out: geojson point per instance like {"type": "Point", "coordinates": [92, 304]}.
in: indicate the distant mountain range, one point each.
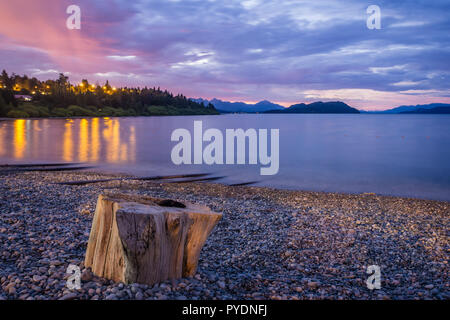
{"type": "Point", "coordinates": [420, 108]}
{"type": "Point", "coordinates": [318, 107]}
{"type": "Point", "coordinates": [438, 110]}
{"type": "Point", "coordinates": [240, 107]}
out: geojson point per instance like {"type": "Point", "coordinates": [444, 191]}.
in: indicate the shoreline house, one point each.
{"type": "Point", "coordinates": [23, 97]}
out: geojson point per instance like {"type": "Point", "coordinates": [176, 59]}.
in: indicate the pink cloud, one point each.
{"type": "Point", "coordinates": [42, 25]}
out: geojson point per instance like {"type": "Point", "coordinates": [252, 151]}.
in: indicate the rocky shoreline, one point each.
{"type": "Point", "coordinates": [270, 244]}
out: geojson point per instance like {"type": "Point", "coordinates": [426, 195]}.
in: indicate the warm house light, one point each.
{"type": "Point", "coordinates": [81, 85]}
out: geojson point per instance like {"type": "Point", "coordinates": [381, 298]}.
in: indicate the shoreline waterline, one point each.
{"type": "Point", "coordinates": [118, 174]}
{"type": "Point", "coordinates": [330, 153]}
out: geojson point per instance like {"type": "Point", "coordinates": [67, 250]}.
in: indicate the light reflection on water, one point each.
{"type": "Point", "coordinates": [67, 142]}
{"type": "Point", "coordinates": [405, 155]}
{"type": "Point", "coordinates": [20, 142]}
{"type": "Point", "coordinates": [78, 140]}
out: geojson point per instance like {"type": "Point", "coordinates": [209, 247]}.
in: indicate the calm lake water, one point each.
{"type": "Point", "coordinates": [406, 155]}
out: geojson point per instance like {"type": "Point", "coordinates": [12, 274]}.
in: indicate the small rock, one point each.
{"type": "Point", "coordinates": [139, 296]}
{"type": "Point", "coordinates": [85, 212]}
{"type": "Point", "coordinates": [37, 278]}
{"type": "Point", "coordinates": [69, 296]}
{"type": "Point", "coordinates": [87, 275]}
{"type": "Point", "coordinates": [313, 284]}
{"type": "Point", "coordinates": [36, 288]}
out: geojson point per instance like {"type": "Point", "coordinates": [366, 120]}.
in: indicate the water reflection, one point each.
{"type": "Point", "coordinates": [132, 144]}
{"type": "Point", "coordinates": [67, 142]}
{"type": "Point", "coordinates": [2, 137]}
{"type": "Point", "coordinates": [83, 140]}
{"type": "Point", "coordinates": [83, 143]}
{"type": "Point", "coordinates": [20, 141]}
{"type": "Point", "coordinates": [95, 140]}
{"type": "Point", "coordinates": [384, 154]}
{"type": "Point", "coordinates": [36, 131]}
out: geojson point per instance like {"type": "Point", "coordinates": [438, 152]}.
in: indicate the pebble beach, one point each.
{"type": "Point", "coordinates": [270, 244]}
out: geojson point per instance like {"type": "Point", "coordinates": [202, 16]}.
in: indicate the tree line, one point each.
{"type": "Point", "coordinates": [22, 96]}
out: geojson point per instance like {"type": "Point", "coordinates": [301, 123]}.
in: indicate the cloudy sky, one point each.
{"type": "Point", "coordinates": [286, 51]}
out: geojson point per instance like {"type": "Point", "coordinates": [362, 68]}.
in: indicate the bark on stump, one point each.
{"type": "Point", "coordinates": [139, 239]}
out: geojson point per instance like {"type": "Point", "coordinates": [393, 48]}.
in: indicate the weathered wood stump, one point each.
{"type": "Point", "coordinates": [138, 239]}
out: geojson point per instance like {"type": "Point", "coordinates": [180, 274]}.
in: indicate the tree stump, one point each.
{"type": "Point", "coordinates": [139, 239]}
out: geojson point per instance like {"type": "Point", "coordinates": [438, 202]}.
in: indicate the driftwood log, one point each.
{"type": "Point", "coordinates": [138, 239]}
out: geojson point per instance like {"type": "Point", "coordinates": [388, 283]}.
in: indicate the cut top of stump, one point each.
{"type": "Point", "coordinates": [147, 240]}
{"type": "Point", "coordinates": [146, 204]}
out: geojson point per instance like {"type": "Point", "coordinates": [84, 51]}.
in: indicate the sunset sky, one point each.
{"type": "Point", "coordinates": [283, 51]}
